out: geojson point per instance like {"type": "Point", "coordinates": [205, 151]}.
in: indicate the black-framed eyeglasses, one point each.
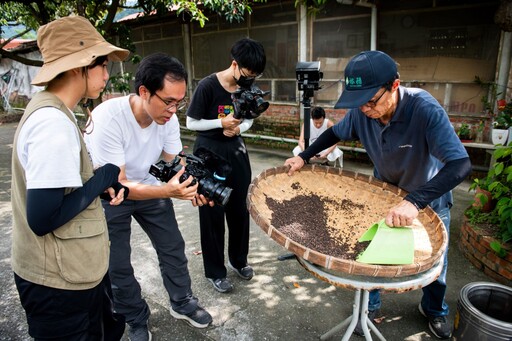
{"type": "Point", "coordinates": [248, 77]}
{"type": "Point", "coordinates": [178, 106]}
{"type": "Point", "coordinates": [373, 103]}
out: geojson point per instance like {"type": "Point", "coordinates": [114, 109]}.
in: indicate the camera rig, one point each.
{"type": "Point", "coordinates": [308, 80]}
{"type": "Point", "coordinates": [249, 102]}
{"type": "Point", "coordinates": [207, 168]}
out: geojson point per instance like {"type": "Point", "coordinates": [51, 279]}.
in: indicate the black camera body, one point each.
{"type": "Point", "coordinates": [203, 167]}
{"type": "Point", "coordinates": [308, 76]}
{"type": "Point", "coordinates": [249, 103]}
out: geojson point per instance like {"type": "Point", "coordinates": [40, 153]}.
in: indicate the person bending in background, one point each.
{"type": "Point", "coordinates": [134, 132]}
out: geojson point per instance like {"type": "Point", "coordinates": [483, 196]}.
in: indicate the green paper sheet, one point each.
{"type": "Point", "coordinates": [389, 245]}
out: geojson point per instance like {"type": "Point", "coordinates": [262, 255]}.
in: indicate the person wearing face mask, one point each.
{"type": "Point", "coordinates": [211, 114]}
{"type": "Point", "coordinates": [411, 142]}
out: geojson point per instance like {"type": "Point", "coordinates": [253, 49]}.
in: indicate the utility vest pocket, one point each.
{"type": "Point", "coordinates": [82, 246]}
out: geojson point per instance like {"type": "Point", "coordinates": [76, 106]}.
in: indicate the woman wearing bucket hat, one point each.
{"type": "Point", "coordinates": [60, 245]}
{"type": "Point", "coordinates": [410, 140]}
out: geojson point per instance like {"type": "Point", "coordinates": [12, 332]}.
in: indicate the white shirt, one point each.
{"type": "Point", "coordinates": [315, 132]}
{"type": "Point", "coordinates": [117, 138]}
{"type": "Point", "coordinates": [49, 150]}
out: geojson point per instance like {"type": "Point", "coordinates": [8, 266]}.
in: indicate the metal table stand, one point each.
{"type": "Point", "coordinates": [362, 286]}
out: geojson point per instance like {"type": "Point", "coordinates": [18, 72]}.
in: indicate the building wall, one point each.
{"type": "Point", "coordinates": [440, 47]}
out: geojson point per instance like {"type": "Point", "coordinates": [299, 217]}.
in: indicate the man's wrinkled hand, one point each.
{"type": "Point", "coordinates": [295, 163]}
{"type": "Point", "coordinates": [402, 214]}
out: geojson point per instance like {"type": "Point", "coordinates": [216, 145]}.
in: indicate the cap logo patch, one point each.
{"type": "Point", "coordinates": [355, 82]}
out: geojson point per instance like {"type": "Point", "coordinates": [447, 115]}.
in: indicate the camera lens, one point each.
{"type": "Point", "coordinates": [215, 191]}
{"type": "Point", "coordinates": [260, 105]}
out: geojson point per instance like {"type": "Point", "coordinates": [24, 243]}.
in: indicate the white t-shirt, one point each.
{"type": "Point", "coordinates": [49, 150]}
{"type": "Point", "coordinates": [117, 138]}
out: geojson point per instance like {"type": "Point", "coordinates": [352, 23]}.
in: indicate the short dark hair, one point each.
{"type": "Point", "coordinates": [156, 67]}
{"type": "Point", "coordinates": [317, 112]}
{"type": "Point", "coordinates": [98, 61]}
{"type": "Point", "coordinates": [250, 54]}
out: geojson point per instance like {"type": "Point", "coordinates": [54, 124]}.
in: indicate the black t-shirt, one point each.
{"type": "Point", "coordinates": [211, 101]}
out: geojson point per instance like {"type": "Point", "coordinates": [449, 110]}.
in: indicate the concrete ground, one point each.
{"type": "Point", "coordinates": [282, 302]}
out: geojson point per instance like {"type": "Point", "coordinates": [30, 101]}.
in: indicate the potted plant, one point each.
{"type": "Point", "coordinates": [500, 121]}
{"type": "Point", "coordinates": [464, 132]}
{"type": "Point", "coordinates": [498, 182]}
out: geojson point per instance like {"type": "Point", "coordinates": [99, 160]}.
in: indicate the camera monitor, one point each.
{"type": "Point", "coordinates": [308, 75]}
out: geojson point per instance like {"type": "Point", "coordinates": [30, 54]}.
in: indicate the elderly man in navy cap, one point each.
{"type": "Point", "coordinates": [408, 136]}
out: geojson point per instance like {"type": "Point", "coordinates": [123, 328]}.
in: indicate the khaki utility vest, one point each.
{"type": "Point", "coordinates": [73, 256]}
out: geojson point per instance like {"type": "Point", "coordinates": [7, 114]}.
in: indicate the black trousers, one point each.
{"type": "Point", "coordinates": [71, 315]}
{"type": "Point", "coordinates": [156, 217]}
{"type": "Point", "coordinates": [235, 211]}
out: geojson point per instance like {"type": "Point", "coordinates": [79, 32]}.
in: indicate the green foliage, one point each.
{"type": "Point", "coordinates": [501, 118]}
{"type": "Point", "coordinates": [498, 182]}
{"type": "Point", "coordinates": [498, 248]}
{"type": "Point", "coordinates": [120, 82]}
{"type": "Point", "coordinates": [480, 127]}
{"type": "Point", "coordinates": [231, 10]}
{"type": "Point", "coordinates": [312, 6]}
{"type": "Point", "coordinates": [464, 132]}
{"type": "Point", "coordinates": [102, 15]}
{"type": "Point", "coordinates": [489, 99]}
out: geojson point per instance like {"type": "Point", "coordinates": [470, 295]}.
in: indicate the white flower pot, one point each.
{"type": "Point", "coordinates": [499, 136]}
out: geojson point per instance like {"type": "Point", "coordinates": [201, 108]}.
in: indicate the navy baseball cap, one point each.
{"type": "Point", "coordinates": [365, 74]}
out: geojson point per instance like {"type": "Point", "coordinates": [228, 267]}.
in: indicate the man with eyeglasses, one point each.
{"type": "Point", "coordinates": [133, 132]}
{"type": "Point", "coordinates": [412, 144]}
{"type": "Point", "coordinates": [211, 115]}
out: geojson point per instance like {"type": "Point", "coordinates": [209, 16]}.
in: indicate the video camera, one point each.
{"type": "Point", "coordinates": [207, 168]}
{"type": "Point", "coordinates": [249, 103]}
{"type": "Point", "coordinates": [308, 76]}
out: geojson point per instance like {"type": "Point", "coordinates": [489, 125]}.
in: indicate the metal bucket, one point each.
{"type": "Point", "coordinates": [484, 312]}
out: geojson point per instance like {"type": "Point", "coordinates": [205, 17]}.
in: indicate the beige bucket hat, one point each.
{"type": "Point", "coordinates": [71, 42]}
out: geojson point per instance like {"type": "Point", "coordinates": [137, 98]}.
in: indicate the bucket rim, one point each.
{"type": "Point", "coordinates": [468, 288]}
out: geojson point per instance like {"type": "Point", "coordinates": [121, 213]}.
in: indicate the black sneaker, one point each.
{"type": "Point", "coordinates": [438, 325]}
{"type": "Point", "coordinates": [221, 284]}
{"type": "Point", "coordinates": [246, 272]}
{"type": "Point", "coordinates": [139, 333]}
{"type": "Point", "coordinates": [372, 314]}
{"type": "Point", "coordinates": [199, 318]}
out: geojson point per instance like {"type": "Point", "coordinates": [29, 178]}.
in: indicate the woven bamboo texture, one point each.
{"type": "Point", "coordinates": [337, 184]}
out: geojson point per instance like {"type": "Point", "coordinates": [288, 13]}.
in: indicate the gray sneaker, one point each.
{"type": "Point", "coordinates": [199, 318]}
{"type": "Point", "coordinates": [438, 325]}
{"type": "Point", "coordinates": [221, 284]}
{"type": "Point", "coordinates": [245, 273]}
{"type": "Point", "coordinates": [139, 333]}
